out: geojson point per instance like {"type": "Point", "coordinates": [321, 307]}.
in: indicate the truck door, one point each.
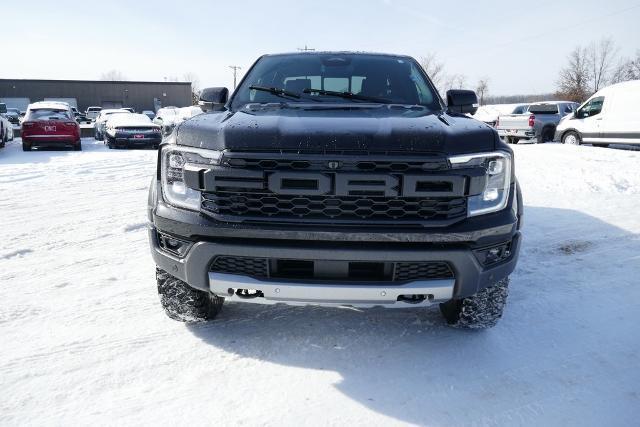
{"type": "Point", "coordinates": [590, 119]}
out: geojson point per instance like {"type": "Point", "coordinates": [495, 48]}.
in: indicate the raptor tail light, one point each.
{"type": "Point", "coordinates": [532, 120]}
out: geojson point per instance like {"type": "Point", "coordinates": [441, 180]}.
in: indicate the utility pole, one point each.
{"type": "Point", "coordinates": [235, 69]}
{"type": "Point", "coordinates": [306, 49]}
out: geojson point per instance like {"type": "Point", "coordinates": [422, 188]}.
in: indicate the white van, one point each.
{"type": "Point", "coordinates": [610, 116]}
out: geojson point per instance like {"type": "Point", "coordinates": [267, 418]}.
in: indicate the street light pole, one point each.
{"type": "Point", "coordinates": [235, 69]}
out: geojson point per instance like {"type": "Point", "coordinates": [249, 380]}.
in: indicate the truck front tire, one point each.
{"type": "Point", "coordinates": [479, 311]}
{"type": "Point", "coordinates": [571, 138]}
{"type": "Point", "coordinates": [183, 303]}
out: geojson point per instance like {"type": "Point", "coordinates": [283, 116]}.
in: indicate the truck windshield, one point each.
{"type": "Point", "coordinates": [336, 78]}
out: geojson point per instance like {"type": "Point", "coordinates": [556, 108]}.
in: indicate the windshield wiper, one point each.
{"type": "Point", "coordinates": [276, 91]}
{"type": "Point", "coordinates": [348, 95]}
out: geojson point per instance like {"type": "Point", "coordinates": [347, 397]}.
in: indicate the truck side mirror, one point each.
{"type": "Point", "coordinates": [213, 98]}
{"type": "Point", "coordinates": [462, 101]}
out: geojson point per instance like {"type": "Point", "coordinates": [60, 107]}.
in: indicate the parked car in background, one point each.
{"type": "Point", "coordinates": [129, 109]}
{"type": "Point", "coordinates": [92, 112]}
{"type": "Point", "coordinates": [50, 124]}
{"type": "Point", "coordinates": [166, 117]}
{"type": "Point", "coordinates": [131, 130]}
{"type": "Point", "coordinates": [173, 117]}
{"type": "Point", "coordinates": [539, 122]}
{"type": "Point", "coordinates": [489, 113]}
{"type": "Point", "coordinates": [71, 102]}
{"type": "Point", "coordinates": [99, 123]}
{"type": "Point", "coordinates": [20, 104]}
{"type": "Point", "coordinates": [13, 115]}
{"type": "Point", "coordinates": [610, 116]}
{"type": "Point", "coordinates": [6, 128]}
{"type": "Point", "coordinates": [79, 116]}
{"type": "Point", "coordinates": [149, 114]}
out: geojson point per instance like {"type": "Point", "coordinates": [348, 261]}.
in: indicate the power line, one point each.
{"type": "Point", "coordinates": [235, 69]}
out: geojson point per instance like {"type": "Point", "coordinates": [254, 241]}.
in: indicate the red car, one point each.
{"type": "Point", "coordinates": [50, 124]}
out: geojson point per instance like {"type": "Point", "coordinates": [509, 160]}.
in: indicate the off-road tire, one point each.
{"type": "Point", "coordinates": [183, 303]}
{"type": "Point", "coordinates": [479, 311]}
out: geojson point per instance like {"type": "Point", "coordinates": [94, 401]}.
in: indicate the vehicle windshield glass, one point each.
{"type": "Point", "coordinates": [381, 78]}
{"type": "Point", "coordinates": [48, 114]}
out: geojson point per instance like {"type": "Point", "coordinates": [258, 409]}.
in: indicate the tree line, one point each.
{"type": "Point", "coordinates": [588, 69]}
{"type": "Point", "coordinates": [594, 66]}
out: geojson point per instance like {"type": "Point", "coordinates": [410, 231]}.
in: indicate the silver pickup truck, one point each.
{"type": "Point", "coordinates": [539, 121]}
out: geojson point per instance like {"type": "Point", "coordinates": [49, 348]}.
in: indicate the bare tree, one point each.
{"type": "Point", "coordinates": [633, 72]}
{"type": "Point", "coordinates": [443, 81]}
{"type": "Point", "coordinates": [627, 69]}
{"type": "Point", "coordinates": [455, 81]}
{"type": "Point", "coordinates": [601, 57]}
{"type": "Point", "coordinates": [434, 69]}
{"type": "Point", "coordinates": [195, 85]}
{"type": "Point", "coordinates": [574, 79]}
{"type": "Point", "coordinates": [482, 89]}
{"type": "Point", "coordinates": [113, 75]}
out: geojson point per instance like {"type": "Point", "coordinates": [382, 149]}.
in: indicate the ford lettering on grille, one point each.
{"type": "Point", "coordinates": [273, 192]}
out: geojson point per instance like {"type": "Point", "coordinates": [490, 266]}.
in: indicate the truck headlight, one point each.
{"type": "Point", "coordinates": [495, 194]}
{"type": "Point", "coordinates": [174, 159]}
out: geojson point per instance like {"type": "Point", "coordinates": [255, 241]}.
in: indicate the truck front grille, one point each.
{"type": "Point", "coordinates": [333, 189]}
{"type": "Point", "coordinates": [265, 206]}
{"type": "Point", "coordinates": [370, 271]}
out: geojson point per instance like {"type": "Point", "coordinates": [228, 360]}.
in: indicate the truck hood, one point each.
{"type": "Point", "coordinates": [336, 127]}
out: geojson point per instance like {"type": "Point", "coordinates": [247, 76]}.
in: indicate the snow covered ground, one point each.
{"type": "Point", "coordinates": [84, 339]}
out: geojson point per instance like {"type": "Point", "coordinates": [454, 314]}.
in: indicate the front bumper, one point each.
{"type": "Point", "coordinates": [470, 275]}
{"type": "Point", "coordinates": [332, 293]}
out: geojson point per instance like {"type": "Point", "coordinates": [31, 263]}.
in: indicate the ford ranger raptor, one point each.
{"type": "Point", "coordinates": [335, 178]}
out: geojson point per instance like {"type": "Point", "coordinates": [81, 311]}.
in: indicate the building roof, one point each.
{"type": "Point", "coordinates": [95, 81]}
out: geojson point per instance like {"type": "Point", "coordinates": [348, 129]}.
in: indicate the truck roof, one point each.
{"type": "Point", "coordinates": [339, 52]}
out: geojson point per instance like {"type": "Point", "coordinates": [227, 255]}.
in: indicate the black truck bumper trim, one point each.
{"type": "Point", "coordinates": [470, 275]}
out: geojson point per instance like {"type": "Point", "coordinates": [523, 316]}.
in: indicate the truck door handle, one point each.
{"type": "Point", "coordinates": [599, 118]}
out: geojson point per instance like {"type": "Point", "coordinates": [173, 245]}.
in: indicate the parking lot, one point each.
{"type": "Point", "coordinates": [85, 339]}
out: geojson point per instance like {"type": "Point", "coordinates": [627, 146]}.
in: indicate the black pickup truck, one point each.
{"type": "Point", "coordinates": [335, 178]}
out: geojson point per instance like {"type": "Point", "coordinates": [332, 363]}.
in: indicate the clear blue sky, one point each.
{"type": "Point", "coordinates": [519, 45]}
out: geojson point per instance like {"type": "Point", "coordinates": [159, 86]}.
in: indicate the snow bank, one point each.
{"type": "Point", "coordinates": [85, 341]}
